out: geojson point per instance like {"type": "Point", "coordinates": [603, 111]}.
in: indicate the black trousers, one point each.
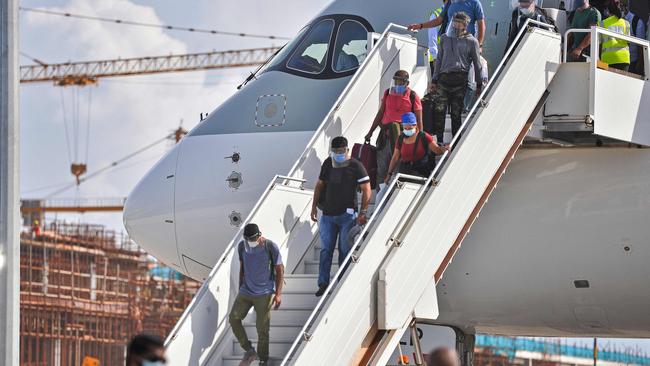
{"type": "Point", "coordinates": [450, 95]}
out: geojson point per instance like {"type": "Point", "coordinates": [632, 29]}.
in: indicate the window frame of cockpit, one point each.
{"type": "Point", "coordinates": [338, 33]}
{"type": "Point", "coordinates": [328, 73]}
{"type": "Point", "coordinates": [305, 37]}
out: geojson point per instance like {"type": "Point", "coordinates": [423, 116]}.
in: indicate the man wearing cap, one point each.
{"type": "Point", "coordinates": [336, 193]}
{"type": "Point", "coordinates": [458, 51]}
{"type": "Point", "coordinates": [397, 100]}
{"type": "Point", "coordinates": [261, 274]}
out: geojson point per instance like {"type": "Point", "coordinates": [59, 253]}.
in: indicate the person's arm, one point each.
{"type": "Point", "coordinates": [481, 31]}
{"type": "Point", "coordinates": [314, 204]}
{"type": "Point", "coordinates": [418, 118]}
{"type": "Point", "coordinates": [441, 55]}
{"type": "Point", "coordinates": [476, 61]}
{"type": "Point", "coordinates": [279, 282]}
{"type": "Point", "coordinates": [377, 121]}
{"type": "Point", "coordinates": [366, 192]}
{"type": "Point", "coordinates": [241, 272]}
{"type": "Point", "coordinates": [586, 42]}
{"type": "Point", "coordinates": [393, 163]}
{"type": "Point", "coordinates": [428, 24]}
{"type": "Point", "coordinates": [439, 150]}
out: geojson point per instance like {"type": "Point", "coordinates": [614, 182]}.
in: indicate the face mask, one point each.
{"type": "Point", "coordinates": [253, 243]}
{"type": "Point", "coordinates": [524, 11]}
{"type": "Point", "coordinates": [409, 133]}
{"type": "Point", "coordinates": [400, 89]}
{"type": "Point", "coordinates": [152, 363]}
{"type": "Point", "coordinates": [339, 158]}
{"type": "Point", "coordinates": [579, 4]}
{"type": "Point", "coordinates": [455, 32]}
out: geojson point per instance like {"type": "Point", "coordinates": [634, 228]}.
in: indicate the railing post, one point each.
{"type": "Point", "coordinates": [9, 185]}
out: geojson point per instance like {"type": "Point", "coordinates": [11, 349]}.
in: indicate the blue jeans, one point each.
{"type": "Point", "coordinates": [332, 228]}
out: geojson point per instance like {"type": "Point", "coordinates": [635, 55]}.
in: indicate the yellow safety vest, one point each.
{"type": "Point", "coordinates": [437, 13]}
{"type": "Point", "coordinates": [614, 50]}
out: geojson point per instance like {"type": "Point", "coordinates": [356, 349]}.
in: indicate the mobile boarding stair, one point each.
{"type": "Point", "coordinates": [409, 240]}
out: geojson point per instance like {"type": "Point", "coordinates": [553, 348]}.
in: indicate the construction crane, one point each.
{"type": "Point", "coordinates": [31, 206]}
{"type": "Point", "coordinates": [88, 72]}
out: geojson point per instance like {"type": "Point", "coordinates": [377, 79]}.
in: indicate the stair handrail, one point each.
{"type": "Point", "coordinates": [222, 259]}
{"type": "Point", "coordinates": [417, 200]}
{"type": "Point", "coordinates": [343, 95]}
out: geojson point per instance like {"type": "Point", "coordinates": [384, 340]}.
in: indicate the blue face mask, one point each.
{"type": "Point", "coordinates": [400, 89]}
{"type": "Point", "coordinates": [409, 133]}
{"type": "Point", "coordinates": [578, 4]}
{"type": "Point", "coordinates": [339, 158]}
{"type": "Point", "coordinates": [152, 363]}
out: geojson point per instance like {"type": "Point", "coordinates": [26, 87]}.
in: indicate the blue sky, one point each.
{"type": "Point", "coordinates": [129, 113]}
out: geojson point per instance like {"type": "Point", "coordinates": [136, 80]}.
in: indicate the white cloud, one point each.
{"type": "Point", "coordinates": [126, 114]}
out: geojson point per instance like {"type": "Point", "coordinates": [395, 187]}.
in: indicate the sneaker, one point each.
{"type": "Point", "coordinates": [249, 357]}
{"type": "Point", "coordinates": [321, 290]}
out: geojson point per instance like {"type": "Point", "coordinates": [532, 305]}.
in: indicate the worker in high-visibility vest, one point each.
{"type": "Point", "coordinates": [434, 37]}
{"type": "Point", "coordinates": [615, 52]}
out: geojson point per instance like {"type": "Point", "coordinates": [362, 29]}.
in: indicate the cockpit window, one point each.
{"type": "Point", "coordinates": [351, 46]}
{"type": "Point", "coordinates": [311, 55]}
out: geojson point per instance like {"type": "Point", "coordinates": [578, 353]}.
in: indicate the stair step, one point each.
{"type": "Point", "coordinates": [277, 348]}
{"type": "Point", "coordinates": [300, 282]}
{"type": "Point", "coordinates": [311, 267]}
{"type": "Point", "coordinates": [276, 332]}
{"type": "Point", "coordinates": [305, 298]}
{"type": "Point", "coordinates": [234, 360]}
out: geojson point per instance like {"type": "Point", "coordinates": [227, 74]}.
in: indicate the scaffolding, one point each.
{"type": "Point", "coordinates": [85, 291]}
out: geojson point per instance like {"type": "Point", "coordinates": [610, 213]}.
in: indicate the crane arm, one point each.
{"type": "Point", "coordinates": [87, 72]}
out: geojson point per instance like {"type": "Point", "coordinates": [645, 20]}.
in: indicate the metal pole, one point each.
{"type": "Point", "coordinates": [595, 351]}
{"type": "Point", "coordinates": [417, 348]}
{"type": "Point", "coordinates": [9, 183]}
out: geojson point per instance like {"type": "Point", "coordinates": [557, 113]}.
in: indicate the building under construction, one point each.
{"type": "Point", "coordinates": [86, 290]}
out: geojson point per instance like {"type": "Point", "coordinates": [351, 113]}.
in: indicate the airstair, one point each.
{"type": "Point", "coordinates": [410, 239]}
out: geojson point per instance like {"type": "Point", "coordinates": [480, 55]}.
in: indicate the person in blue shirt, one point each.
{"type": "Point", "coordinates": [473, 8]}
{"type": "Point", "coordinates": [261, 274]}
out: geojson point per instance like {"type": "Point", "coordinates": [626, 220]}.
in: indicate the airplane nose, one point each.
{"type": "Point", "coordinates": [149, 212]}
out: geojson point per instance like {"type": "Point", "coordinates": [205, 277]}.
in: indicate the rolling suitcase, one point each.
{"type": "Point", "coordinates": [367, 155]}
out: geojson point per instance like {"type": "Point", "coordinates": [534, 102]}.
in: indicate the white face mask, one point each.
{"type": "Point", "coordinates": [253, 243]}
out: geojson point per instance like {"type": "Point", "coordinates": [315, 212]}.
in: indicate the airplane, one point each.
{"type": "Point", "coordinates": [188, 206]}
{"type": "Point", "coordinates": [560, 249]}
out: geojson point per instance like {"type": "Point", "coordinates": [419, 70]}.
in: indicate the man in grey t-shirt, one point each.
{"type": "Point", "coordinates": [261, 274]}
{"type": "Point", "coordinates": [457, 52]}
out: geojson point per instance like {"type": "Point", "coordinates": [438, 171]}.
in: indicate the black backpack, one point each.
{"type": "Point", "coordinates": [425, 166]}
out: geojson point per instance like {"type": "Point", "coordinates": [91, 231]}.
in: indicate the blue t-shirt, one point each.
{"type": "Point", "coordinates": [472, 8]}
{"type": "Point", "coordinates": [257, 270]}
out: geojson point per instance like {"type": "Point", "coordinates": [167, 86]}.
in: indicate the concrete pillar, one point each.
{"type": "Point", "coordinates": [9, 185]}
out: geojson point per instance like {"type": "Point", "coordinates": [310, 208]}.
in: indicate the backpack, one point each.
{"type": "Point", "coordinates": [411, 98]}
{"type": "Point", "coordinates": [427, 163]}
{"type": "Point", "coordinates": [538, 12]}
{"type": "Point", "coordinates": [240, 250]}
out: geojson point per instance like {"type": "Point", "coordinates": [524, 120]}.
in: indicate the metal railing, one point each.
{"type": "Point", "coordinates": [417, 200]}
{"type": "Point", "coordinates": [229, 249]}
{"type": "Point", "coordinates": [595, 32]}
